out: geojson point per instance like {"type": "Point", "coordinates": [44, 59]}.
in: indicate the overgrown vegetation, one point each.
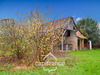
{"type": "Point", "coordinates": [29, 34]}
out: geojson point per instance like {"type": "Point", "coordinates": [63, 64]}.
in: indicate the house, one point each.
{"type": "Point", "coordinates": [72, 38]}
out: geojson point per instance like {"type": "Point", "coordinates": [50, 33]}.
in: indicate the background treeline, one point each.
{"type": "Point", "coordinates": [91, 29]}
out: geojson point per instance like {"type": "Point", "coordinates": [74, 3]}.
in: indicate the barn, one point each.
{"type": "Point", "coordinates": [72, 38]}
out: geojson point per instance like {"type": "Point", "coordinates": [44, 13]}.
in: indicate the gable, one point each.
{"type": "Point", "coordinates": [71, 25]}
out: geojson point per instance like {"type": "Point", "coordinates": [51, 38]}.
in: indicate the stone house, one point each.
{"type": "Point", "coordinates": [72, 38]}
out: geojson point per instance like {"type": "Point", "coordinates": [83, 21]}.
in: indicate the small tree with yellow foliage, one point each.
{"type": "Point", "coordinates": [30, 34]}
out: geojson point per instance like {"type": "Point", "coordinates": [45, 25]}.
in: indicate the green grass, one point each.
{"type": "Point", "coordinates": [77, 63]}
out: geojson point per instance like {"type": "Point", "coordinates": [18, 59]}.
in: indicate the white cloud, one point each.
{"type": "Point", "coordinates": [99, 25]}
{"type": "Point", "coordinates": [78, 19]}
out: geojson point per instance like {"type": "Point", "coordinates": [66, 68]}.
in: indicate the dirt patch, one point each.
{"type": "Point", "coordinates": [59, 54]}
{"type": "Point", "coordinates": [24, 67]}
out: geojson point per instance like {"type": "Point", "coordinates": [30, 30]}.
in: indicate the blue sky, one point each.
{"type": "Point", "coordinates": [59, 8]}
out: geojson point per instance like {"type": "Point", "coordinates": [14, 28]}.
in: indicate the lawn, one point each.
{"type": "Point", "coordinates": [76, 63]}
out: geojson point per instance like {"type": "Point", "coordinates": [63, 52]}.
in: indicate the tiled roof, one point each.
{"type": "Point", "coordinates": [80, 35]}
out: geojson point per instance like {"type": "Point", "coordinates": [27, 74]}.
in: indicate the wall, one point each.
{"type": "Point", "coordinates": [71, 40]}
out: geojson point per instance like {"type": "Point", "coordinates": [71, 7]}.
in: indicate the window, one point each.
{"type": "Point", "coordinates": [68, 33]}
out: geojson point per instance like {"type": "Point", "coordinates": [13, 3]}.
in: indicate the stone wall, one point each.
{"type": "Point", "coordinates": [71, 41]}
